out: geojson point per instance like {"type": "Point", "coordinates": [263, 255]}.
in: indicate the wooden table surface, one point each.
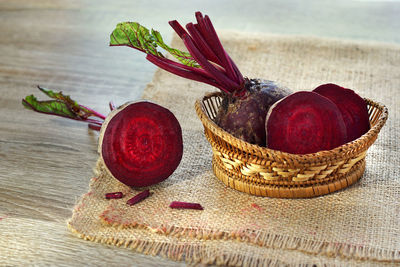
{"type": "Point", "coordinates": [46, 162]}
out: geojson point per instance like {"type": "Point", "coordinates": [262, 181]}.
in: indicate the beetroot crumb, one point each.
{"type": "Point", "coordinates": [139, 197]}
{"type": "Point", "coordinates": [185, 205]}
{"type": "Point", "coordinates": [114, 195]}
{"type": "Point", "coordinates": [254, 205]}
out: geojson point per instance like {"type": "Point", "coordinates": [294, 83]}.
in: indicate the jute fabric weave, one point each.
{"type": "Point", "coordinates": [356, 226]}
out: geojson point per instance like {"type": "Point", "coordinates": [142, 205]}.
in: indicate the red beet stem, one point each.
{"type": "Point", "coordinates": [139, 197]}
{"type": "Point", "coordinates": [200, 22]}
{"type": "Point", "coordinates": [201, 43]}
{"type": "Point", "coordinates": [94, 127]}
{"type": "Point", "coordinates": [95, 122]}
{"type": "Point", "coordinates": [220, 51]}
{"type": "Point", "coordinates": [114, 195]}
{"type": "Point", "coordinates": [236, 69]}
{"type": "Point", "coordinates": [95, 113]}
{"type": "Point", "coordinates": [185, 205]}
{"type": "Point", "coordinates": [185, 73]}
{"type": "Point", "coordinates": [193, 70]}
{"type": "Point", "coordinates": [203, 29]}
{"type": "Point", "coordinates": [111, 105]}
{"type": "Point", "coordinates": [220, 77]}
{"type": "Point", "coordinates": [177, 27]}
{"type": "Point", "coordinates": [205, 47]}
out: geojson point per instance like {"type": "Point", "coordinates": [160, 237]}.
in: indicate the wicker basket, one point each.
{"type": "Point", "coordinates": [265, 172]}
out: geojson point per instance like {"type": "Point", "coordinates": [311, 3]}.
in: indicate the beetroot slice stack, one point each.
{"type": "Point", "coordinates": [353, 108]}
{"type": "Point", "coordinates": [305, 122]}
{"type": "Point", "coordinates": [141, 144]}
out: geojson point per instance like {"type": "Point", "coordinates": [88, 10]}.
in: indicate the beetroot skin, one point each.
{"type": "Point", "coordinates": [244, 117]}
{"type": "Point", "coordinates": [353, 108]}
{"type": "Point", "coordinates": [305, 122]}
{"type": "Point", "coordinates": [141, 144]}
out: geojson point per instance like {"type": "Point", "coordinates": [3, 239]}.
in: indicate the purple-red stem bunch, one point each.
{"type": "Point", "coordinates": [217, 68]}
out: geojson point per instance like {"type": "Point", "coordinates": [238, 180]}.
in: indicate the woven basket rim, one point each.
{"type": "Point", "coordinates": [342, 152]}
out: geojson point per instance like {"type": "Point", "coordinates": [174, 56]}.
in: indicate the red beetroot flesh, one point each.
{"type": "Point", "coordinates": [353, 108]}
{"type": "Point", "coordinates": [305, 122]}
{"type": "Point", "coordinates": [185, 205]}
{"type": "Point", "coordinates": [244, 117]}
{"type": "Point", "coordinates": [139, 197]}
{"type": "Point", "coordinates": [142, 144]}
{"type": "Point", "coordinates": [114, 195]}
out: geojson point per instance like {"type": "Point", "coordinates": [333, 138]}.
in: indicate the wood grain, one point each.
{"type": "Point", "coordinates": [46, 162]}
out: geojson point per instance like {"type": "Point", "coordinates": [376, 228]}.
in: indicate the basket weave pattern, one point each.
{"type": "Point", "coordinates": [266, 172]}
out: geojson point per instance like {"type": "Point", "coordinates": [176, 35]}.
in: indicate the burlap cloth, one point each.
{"type": "Point", "coordinates": [356, 226]}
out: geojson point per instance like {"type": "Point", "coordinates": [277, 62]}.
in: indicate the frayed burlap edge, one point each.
{"type": "Point", "coordinates": [207, 255]}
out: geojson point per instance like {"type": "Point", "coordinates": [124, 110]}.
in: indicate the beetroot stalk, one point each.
{"type": "Point", "coordinates": [202, 45]}
{"type": "Point", "coordinates": [178, 28]}
{"type": "Point", "coordinates": [95, 113]}
{"type": "Point", "coordinates": [182, 72]}
{"type": "Point", "coordinates": [227, 62]}
{"type": "Point", "coordinates": [94, 127]}
{"type": "Point", "coordinates": [111, 105]}
{"type": "Point", "coordinates": [202, 60]}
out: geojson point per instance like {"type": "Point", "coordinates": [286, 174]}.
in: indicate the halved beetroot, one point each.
{"type": "Point", "coordinates": [304, 122]}
{"type": "Point", "coordinates": [141, 143]}
{"type": "Point", "coordinates": [353, 108]}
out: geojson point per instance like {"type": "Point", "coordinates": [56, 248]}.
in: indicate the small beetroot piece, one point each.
{"type": "Point", "coordinates": [114, 195]}
{"type": "Point", "coordinates": [139, 197]}
{"type": "Point", "coordinates": [353, 108]}
{"type": "Point", "coordinates": [305, 122]}
{"type": "Point", "coordinates": [141, 143]}
{"type": "Point", "coordinates": [185, 205]}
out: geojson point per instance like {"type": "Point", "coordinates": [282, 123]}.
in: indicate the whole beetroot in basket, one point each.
{"type": "Point", "coordinates": [245, 101]}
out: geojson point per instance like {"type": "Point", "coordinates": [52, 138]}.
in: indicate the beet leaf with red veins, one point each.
{"type": "Point", "coordinates": [63, 106]}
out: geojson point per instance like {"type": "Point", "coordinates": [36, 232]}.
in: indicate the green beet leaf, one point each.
{"type": "Point", "coordinates": [134, 35]}
{"type": "Point", "coordinates": [182, 56]}
{"type": "Point", "coordinates": [63, 105]}
{"type": "Point", "coordinates": [53, 107]}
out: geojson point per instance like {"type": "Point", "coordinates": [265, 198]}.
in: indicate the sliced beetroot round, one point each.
{"type": "Point", "coordinates": [304, 122]}
{"type": "Point", "coordinates": [141, 143]}
{"type": "Point", "coordinates": [353, 108]}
